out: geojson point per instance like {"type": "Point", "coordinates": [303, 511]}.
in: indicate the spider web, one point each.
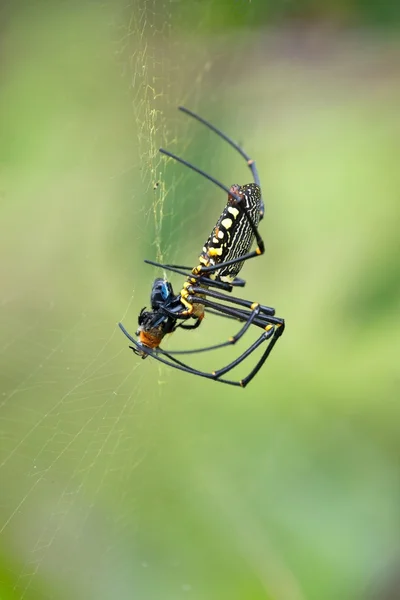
{"type": "Point", "coordinates": [97, 496]}
{"type": "Point", "coordinates": [74, 403]}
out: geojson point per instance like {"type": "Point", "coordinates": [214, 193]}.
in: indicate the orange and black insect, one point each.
{"type": "Point", "coordinates": [208, 285]}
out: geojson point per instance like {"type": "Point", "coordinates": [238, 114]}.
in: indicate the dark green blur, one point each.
{"type": "Point", "coordinates": [122, 479]}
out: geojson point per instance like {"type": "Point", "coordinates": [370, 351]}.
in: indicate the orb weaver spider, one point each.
{"type": "Point", "coordinates": [222, 257]}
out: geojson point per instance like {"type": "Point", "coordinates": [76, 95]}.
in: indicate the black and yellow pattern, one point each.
{"type": "Point", "coordinates": [232, 236]}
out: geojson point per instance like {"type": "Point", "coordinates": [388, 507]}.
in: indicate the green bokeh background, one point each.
{"type": "Point", "coordinates": [122, 479]}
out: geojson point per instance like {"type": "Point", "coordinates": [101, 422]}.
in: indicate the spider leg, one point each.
{"type": "Point", "coordinates": [263, 337]}
{"type": "Point", "coordinates": [277, 334]}
{"type": "Point", "coordinates": [219, 314]}
{"type": "Point", "coordinates": [265, 318]}
{"type": "Point", "coordinates": [262, 321]}
{"type": "Point", "coordinates": [218, 284]}
{"type": "Point", "coordinates": [172, 268]}
{"type": "Point", "coordinates": [189, 269]}
{"type": "Point", "coordinates": [251, 163]}
{"type": "Point", "coordinates": [224, 285]}
{"type": "Point", "coordinates": [173, 362]}
{"type": "Point", "coordinates": [260, 250]}
{"type": "Point", "coordinates": [216, 375]}
{"type": "Point", "coordinates": [212, 312]}
{"type": "Point", "coordinates": [237, 282]}
{"type": "Point", "coordinates": [266, 310]}
{"type": "Point", "coordinates": [232, 340]}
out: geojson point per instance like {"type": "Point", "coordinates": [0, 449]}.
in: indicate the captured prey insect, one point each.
{"type": "Point", "coordinates": [208, 285]}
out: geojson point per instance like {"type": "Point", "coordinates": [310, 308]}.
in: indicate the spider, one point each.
{"type": "Point", "coordinates": [222, 257]}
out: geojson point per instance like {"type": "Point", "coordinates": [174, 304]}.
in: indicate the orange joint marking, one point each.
{"type": "Point", "coordinates": [250, 162]}
{"type": "Point", "coordinates": [269, 327]}
{"type": "Point", "coordinates": [258, 251]}
{"type": "Point", "coordinates": [254, 305]}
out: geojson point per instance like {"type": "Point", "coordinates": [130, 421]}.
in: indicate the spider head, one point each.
{"type": "Point", "coordinates": [154, 324]}
{"type": "Point", "coordinates": [250, 192]}
{"type": "Point", "coordinates": [236, 192]}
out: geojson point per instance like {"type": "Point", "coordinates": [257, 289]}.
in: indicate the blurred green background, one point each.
{"type": "Point", "coordinates": [123, 479]}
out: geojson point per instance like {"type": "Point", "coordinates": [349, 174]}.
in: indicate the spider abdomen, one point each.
{"type": "Point", "coordinates": [233, 235]}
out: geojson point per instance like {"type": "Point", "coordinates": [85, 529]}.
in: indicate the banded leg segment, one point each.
{"type": "Point", "coordinates": [250, 162]}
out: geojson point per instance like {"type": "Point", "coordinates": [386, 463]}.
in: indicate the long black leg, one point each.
{"type": "Point", "coordinates": [175, 364]}
{"type": "Point", "coordinates": [172, 268]}
{"type": "Point", "coordinates": [253, 373]}
{"type": "Point", "coordinates": [219, 314]}
{"type": "Point", "coordinates": [206, 280]}
{"type": "Point", "coordinates": [265, 336]}
{"type": "Point", "coordinates": [216, 376]}
{"type": "Point", "coordinates": [251, 163]}
{"type": "Point", "coordinates": [267, 316]}
{"type": "Point", "coordinates": [274, 333]}
{"type": "Point", "coordinates": [253, 254]}
{"type": "Point", "coordinates": [267, 310]}
{"type": "Point", "coordinates": [210, 269]}
{"type": "Point", "coordinates": [259, 240]}
{"type": "Point", "coordinates": [261, 321]}
{"type": "Point", "coordinates": [232, 340]}
{"type": "Point", "coordinates": [237, 282]}
{"type": "Point", "coordinates": [202, 173]}
{"type": "Point", "coordinates": [189, 269]}
{"type": "Point", "coordinates": [221, 310]}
